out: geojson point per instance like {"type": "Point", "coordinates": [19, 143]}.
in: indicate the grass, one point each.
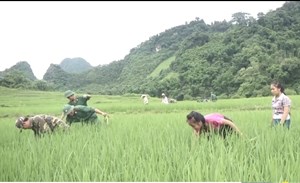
{"type": "Point", "coordinates": [147, 142]}
{"type": "Point", "coordinates": [164, 65]}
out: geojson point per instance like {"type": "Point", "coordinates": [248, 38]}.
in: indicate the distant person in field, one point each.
{"type": "Point", "coordinates": [41, 124]}
{"type": "Point", "coordinates": [77, 100]}
{"type": "Point", "coordinates": [164, 99]}
{"type": "Point", "coordinates": [213, 97]}
{"type": "Point", "coordinates": [81, 113]}
{"type": "Point", "coordinates": [145, 98]}
{"type": "Point", "coordinates": [281, 105]}
{"type": "Point", "coordinates": [171, 100]}
{"type": "Point", "coordinates": [211, 123]}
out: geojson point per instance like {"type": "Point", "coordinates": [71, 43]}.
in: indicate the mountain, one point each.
{"type": "Point", "coordinates": [21, 67]}
{"type": "Point", "coordinates": [20, 76]}
{"type": "Point", "coordinates": [75, 65]}
{"type": "Point", "coordinates": [238, 58]}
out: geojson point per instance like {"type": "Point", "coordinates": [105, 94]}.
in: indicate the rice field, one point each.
{"type": "Point", "coordinates": [146, 143]}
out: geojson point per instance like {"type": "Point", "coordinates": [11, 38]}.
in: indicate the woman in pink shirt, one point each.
{"type": "Point", "coordinates": [214, 122]}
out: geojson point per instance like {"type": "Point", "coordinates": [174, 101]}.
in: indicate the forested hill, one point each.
{"type": "Point", "coordinates": [18, 76]}
{"type": "Point", "coordinates": [75, 65]}
{"type": "Point", "coordinates": [238, 58]}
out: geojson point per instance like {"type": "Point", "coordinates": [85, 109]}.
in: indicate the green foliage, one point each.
{"type": "Point", "coordinates": [288, 91]}
{"type": "Point", "coordinates": [15, 79]}
{"type": "Point", "coordinates": [22, 67]}
{"type": "Point", "coordinates": [164, 65]}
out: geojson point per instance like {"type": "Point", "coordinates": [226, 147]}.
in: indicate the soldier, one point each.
{"type": "Point", "coordinates": [40, 124]}
{"type": "Point", "coordinates": [75, 100]}
{"type": "Point", "coordinates": [82, 113]}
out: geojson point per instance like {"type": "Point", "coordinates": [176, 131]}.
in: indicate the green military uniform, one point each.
{"type": "Point", "coordinates": [81, 114]}
{"type": "Point", "coordinates": [80, 100]}
{"type": "Point", "coordinates": [43, 123]}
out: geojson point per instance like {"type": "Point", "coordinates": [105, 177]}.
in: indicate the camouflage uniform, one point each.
{"type": "Point", "coordinates": [43, 124]}
{"type": "Point", "coordinates": [82, 100]}
{"type": "Point", "coordinates": [83, 114]}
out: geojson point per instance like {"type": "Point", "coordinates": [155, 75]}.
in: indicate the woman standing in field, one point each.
{"type": "Point", "coordinates": [281, 105]}
{"type": "Point", "coordinates": [213, 122]}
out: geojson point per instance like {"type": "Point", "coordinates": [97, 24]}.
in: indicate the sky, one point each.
{"type": "Point", "coordinates": [45, 32]}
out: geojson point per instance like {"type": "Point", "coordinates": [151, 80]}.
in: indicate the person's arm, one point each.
{"type": "Point", "coordinates": [286, 110]}
{"type": "Point", "coordinates": [87, 96]}
{"type": "Point", "coordinates": [272, 120]}
{"type": "Point", "coordinates": [62, 116]}
{"type": "Point", "coordinates": [62, 124]}
{"type": "Point", "coordinates": [101, 112]}
{"type": "Point", "coordinates": [197, 133]}
{"type": "Point", "coordinates": [232, 125]}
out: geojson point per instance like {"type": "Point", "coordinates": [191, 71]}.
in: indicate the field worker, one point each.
{"type": "Point", "coordinates": [145, 98]}
{"type": "Point", "coordinates": [213, 122]}
{"type": "Point", "coordinates": [213, 97]}
{"type": "Point", "coordinates": [80, 113]}
{"type": "Point", "coordinates": [164, 99]}
{"type": "Point", "coordinates": [172, 100]}
{"type": "Point", "coordinates": [281, 105]}
{"type": "Point", "coordinates": [41, 124]}
{"type": "Point", "coordinates": [75, 100]}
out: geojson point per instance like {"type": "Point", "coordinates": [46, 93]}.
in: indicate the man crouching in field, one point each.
{"type": "Point", "coordinates": [41, 124]}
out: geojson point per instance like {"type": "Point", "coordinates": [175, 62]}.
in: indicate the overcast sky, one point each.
{"type": "Point", "coordinates": [100, 32]}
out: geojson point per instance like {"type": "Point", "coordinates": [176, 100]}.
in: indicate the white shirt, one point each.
{"type": "Point", "coordinates": [146, 100]}
{"type": "Point", "coordinates": [278, 105]}
{"type": "Point", "coordinates": [165, 100]}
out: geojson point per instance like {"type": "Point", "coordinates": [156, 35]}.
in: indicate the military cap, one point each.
{"type": "Point", "coordinates": [69, 93]}
{"type": "Point", "coordinates": [67, 109]}
{"type": "Point", "coordinates": [19, 122]}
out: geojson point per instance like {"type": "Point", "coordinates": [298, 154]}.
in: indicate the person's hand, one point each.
{"type": "Point", "coordinates": [86, 96]}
